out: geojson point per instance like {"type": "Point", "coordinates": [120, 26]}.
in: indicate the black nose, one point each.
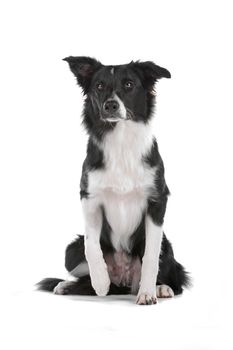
{"type": "Point", "coordinates": [111, 106]}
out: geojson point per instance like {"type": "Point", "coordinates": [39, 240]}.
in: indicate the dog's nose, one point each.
{"type": "Point", "coordinates": [111, 106]}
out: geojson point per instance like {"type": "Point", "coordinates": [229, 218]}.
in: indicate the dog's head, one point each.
{"type": "Point", "coordinates": [117, 92]}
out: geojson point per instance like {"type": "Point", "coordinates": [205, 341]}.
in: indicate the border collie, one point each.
{"type": "Point", "coordinates": [123, 190]}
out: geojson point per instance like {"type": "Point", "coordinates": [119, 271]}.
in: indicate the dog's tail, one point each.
{"type": "Point", "coordinates": [48, 284]}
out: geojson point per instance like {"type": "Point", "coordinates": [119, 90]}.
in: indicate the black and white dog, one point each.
{"type": "Point", "coordinates": [123, 190]}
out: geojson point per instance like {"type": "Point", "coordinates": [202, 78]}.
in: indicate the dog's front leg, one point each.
{"type": "Point", "coordinates": [98, 269]}
{"type": "Point", "coordinates": [150, 261]}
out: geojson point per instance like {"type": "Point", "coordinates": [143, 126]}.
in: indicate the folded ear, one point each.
{"type": "Point", "coordinates": [151, 72]}
{"type": "Point", "coordinates": [83, 68]}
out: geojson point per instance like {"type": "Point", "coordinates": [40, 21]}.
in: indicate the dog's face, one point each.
{"type": "Point", "coordinates": [117, 92]}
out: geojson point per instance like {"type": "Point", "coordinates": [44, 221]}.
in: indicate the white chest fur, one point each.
{"type": "Point", "coordinates": [122, 187]}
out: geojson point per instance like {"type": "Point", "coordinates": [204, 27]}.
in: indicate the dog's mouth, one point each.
{"type": "Point", "coordinates": [112, 119]}
{"type": "Point", "coordinates": [118, 117]}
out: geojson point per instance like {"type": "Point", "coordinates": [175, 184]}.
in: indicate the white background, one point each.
{"type": "Point", "coordinates": [42, 147]}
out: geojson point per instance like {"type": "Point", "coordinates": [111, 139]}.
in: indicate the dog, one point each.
{"type": "Point", "coordinates": [123, 190]}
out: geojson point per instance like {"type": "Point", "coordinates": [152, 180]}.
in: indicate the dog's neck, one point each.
{"type": "Point", "coordinates": [128, 141]}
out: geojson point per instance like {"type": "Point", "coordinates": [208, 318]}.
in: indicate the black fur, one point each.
{"type": "Point", "coordinates": [48, 284]}
{"type": "Point", "coordinates": [138, 98]}
{"type": "Point", "coordinates": [94, 160]}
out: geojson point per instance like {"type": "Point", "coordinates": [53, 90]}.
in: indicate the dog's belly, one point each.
{"type": "Point", "coordinates": [124, 270]}
{"type": "Point", "coordinates": [123, 212]}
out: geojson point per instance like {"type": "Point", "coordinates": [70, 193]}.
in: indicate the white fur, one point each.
{"type": "Point", "coordinates": [62, 286]}
{"type": "Point", "coordinates": [122, 109]}
{"type": "Point", "coordinates": [97, 266]}
{"type": "Point", "coordinates": [164, 291]}
{"type": "Point", "coordinates": [80, 270]}
{"type": "Point", "coordinates": [146, 299]}
{"type": "Point", "coordinates": [150, 261]}
{"type": "Point", "coordinates": [123, 185]}
{"type": "Point", "coordinates": [123, 213]}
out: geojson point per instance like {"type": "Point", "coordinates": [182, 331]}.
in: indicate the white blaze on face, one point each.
{"type": "Point", "coordinates": [122, 109]}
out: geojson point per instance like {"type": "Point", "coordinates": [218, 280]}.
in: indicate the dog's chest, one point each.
{"type": "Point", "coordinates": [122, 187]}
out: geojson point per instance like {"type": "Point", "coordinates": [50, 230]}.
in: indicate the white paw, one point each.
{"type": "Point", "coordinates": [63, 287]}
{"type": "Point", "coordinates": [146, 299]}
{"type": "Point", "coordinates": [100, 282]}
{"type": "Point", "coordinates": [164, 291]}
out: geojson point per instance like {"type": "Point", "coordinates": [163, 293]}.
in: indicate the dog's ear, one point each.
{"type": "Point", "coordinates": [83, 68]}
{"type": "Point", "coordinates": [150, 72]}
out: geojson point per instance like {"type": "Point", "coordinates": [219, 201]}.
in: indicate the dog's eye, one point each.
{"type": "Point", "coordinates": [100, 86]}
{"type": "Point", "coordinates": [129, 84]}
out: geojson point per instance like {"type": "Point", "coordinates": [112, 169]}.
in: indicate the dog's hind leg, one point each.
{"type": "Point", "coordinates": [75, 264]}
{"type": "Point", "coordinates": [75, 260]}
{"type": "Point", "coordinates": [164, 291]}
{"type": "Point", "coordinates": [83, 287]}
{"type": "Point", "coordinates": [74, 255]}
{"type": "Point", "coordinates": [80, 287]}
{"type": "Point", "coordinates": [171, 273]}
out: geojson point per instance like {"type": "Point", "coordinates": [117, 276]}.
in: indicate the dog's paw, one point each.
{"type": "Point", "coordinates": [146, 299]}
{"type": "Point", "coordinates": [101, 287]}
{"type": "Point", "coordinates": [164, 291]}
{"type": "Point", "coordinates": [101, 282]}
{"type": "Point", "coordinates": [63, 288]}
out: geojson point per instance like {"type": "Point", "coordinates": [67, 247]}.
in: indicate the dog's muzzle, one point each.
{"type": "Point", "coordinates": [112, 111]}
{"type": "Point", "coordinates": [111, 107]}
